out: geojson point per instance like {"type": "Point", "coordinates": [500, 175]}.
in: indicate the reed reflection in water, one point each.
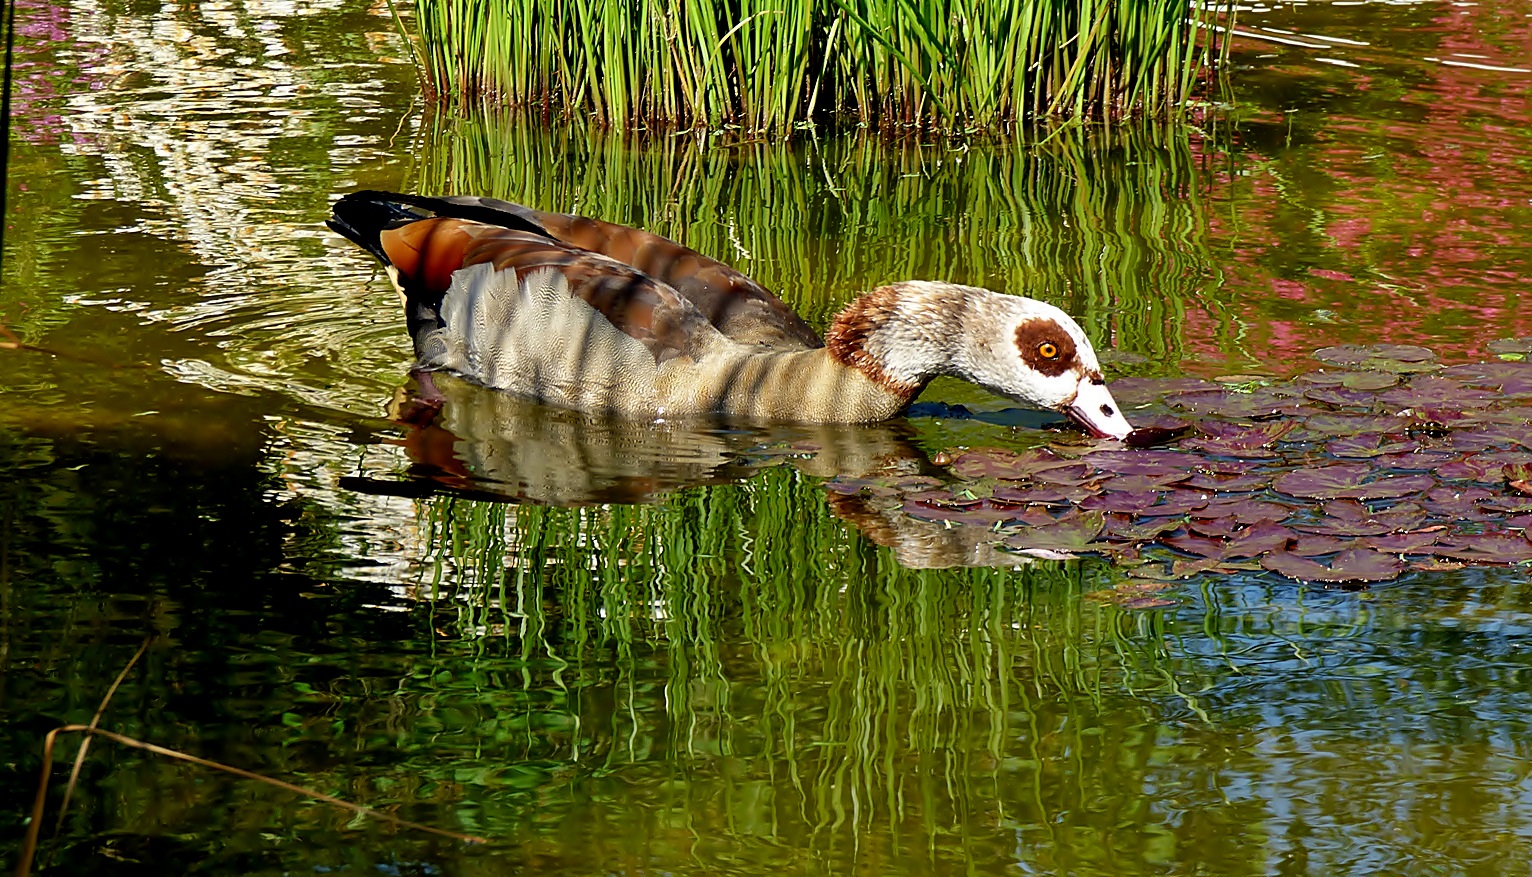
{"type": "Point", "coordinates": [1106, 224]}
{"type": "Point", "coordinates": [735, 674]}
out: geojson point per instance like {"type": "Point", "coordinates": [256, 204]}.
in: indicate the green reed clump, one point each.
{"type": "Point", "coordinates": [763, 65]}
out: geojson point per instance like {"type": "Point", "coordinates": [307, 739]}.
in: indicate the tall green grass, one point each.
{"type": "Point", "coordinates": [764, 65]}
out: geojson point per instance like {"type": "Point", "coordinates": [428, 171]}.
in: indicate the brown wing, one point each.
{"type": "Point", "coordinates": [426, 253]}
{"type": "Point", "coordinates": [742, 309]}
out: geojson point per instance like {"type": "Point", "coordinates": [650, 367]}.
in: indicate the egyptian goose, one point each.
{"type": "Point", "coordinates": [602, 318]}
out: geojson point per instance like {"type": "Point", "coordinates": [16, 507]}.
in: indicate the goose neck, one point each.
{"type": "Point", "coordinates": [900, 335]}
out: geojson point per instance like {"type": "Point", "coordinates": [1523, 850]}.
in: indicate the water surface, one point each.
{"type": "Point", "coordinates": [678, 653]}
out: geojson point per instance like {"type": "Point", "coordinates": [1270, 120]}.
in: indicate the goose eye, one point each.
{"type": "Point", "coordinates": [1048, 350]}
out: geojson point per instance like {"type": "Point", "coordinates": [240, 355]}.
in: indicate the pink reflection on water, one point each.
{"type": "Point", "coordinates": [51, 62]}
{"type": "Point", "coordinates": [1411, 219]}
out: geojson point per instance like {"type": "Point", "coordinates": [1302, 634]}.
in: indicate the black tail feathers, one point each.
{"type": "Point", "coordinates": [361, 216]}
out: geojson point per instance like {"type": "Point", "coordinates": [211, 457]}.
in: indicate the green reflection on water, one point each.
{"type": "Point", "coordinates": [732, 679]}
{"type": "Point", "coordinates": [736, 660]}
{"type": "Point", "coordinates": [1108, 224]}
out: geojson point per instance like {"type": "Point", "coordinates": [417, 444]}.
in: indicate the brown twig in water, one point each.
{"type": "Point", "coordinates": [79, 758]}
{"type": "Point", "coordinates": [29, 846]}
{"type": "Point", "coordinates": [13, 342]}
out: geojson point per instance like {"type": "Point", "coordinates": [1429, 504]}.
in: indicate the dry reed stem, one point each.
{"type": "Point", "coordinates": [39, 803]}
{"type": "Point", "coordinates": [79, 758]}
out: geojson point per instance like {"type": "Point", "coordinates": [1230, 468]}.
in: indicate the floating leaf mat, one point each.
{"type": "Point", "coordinates": [1381, 463]}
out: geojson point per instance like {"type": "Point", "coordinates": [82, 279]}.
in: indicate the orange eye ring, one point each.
{"type": "Point", "coordinates": [1048, 350]}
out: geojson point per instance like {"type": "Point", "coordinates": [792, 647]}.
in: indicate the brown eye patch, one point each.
{"type": "Point", "coordinates": [1045, 346]}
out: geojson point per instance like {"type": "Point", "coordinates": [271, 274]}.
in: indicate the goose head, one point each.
{"type": "Point", "coordinates": [1029, 351]}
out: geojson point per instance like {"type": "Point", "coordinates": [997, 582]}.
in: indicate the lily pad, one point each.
{"type": "Point", "coordinates": [1510, 346]}
{"type": "Point", "coordinates": [1350, 380]}
{"type": "Point", "coordinates": [1192, 543]}
{"type": "Point", "coordinates": [1228, 403]}
{"type": "Point", "coordinates": [1125, 528]}
{"type": "Point", "coordinates": [1228, 483]}
{"type": "Point", "coordinates": [1073, 531]}
{"type": "Point", "coordinates": [1349, 480]}
{"type": "Point", "coordinates": [1258, 539]}
{"type": "Point", "coordinates": [1404, 543]}
{"type": "Point", "coordinates": [1487, 548]}
{"type": "Point", "coordinates": [1351, 424]}
{"type": "Point", "coordinates": [1153, 463]}
{"type": "Point", "coordinates": [1369, 445]}
{"type": "Point", "coordinates": [1412, 461]}
{"type": "Point", "coordinates": [998, 463]}
{"type": "Point", "coordinates": [1132, 483]}
{"type": "Point", "coordinates": [1434, 391]}
{"type": "Point", "coordinates": [1121, 501]}
{"type": "Point", "coordinates": [1316, 544]}
{"type": "Point", "coordinates": [1350, 565]}
{"type": "Point", "coordinates": [1177, 503]}
{"type": "Point", "coordinates": [1149, 436]}
{"type": "Point", "coordinates": [1490, 374]}
{"type": "Point", "coordinates": [1239, 441]}
{"type": "Point", "coordinates": [1243, 510]}
{"type": "Point", "coordinates": [1042, 495]}
{"type": "Point", "coordinates": [1342, 397]}
{"type": "Point", "coordinates": [1355, 354]}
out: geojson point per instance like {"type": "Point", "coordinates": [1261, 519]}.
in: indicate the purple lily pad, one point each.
{"type": "Point", "coordinates": [1073, 531]}
{"type": "Point", "coordinates": [1351, 565]}
{"type": "Point", "coordinates": [1350, 424]}
{"type": "Point", "coordinates": [1350, 380]}
{"type": "Point", "coordinates": [1134, 392]}
{"type": "Point", "coordinates": [1124, 528]}
{"type": "Point", "coordinates": [1508, 505]}
{"type": "Point", "coordinates": [1412, 461]}
{"type": "Point", "coordinates": [998, 463]}
{"type": "Point", "coordinates": [1510, 346]}
{"type": "Point", "coordinates": [1227, 403]}
{"type": "Point", "coordinates": [1488, 468]}
{"type": "Point", "coordinates": [978, 514]}
{"type": "Point", "coordinates": [1243, 510]}
{"type": "Point", "coordinates": [1228, 483]}
{"type": "Point", "coordinates": [1191, 543]}
{"type": "Point", "coordinates": [1354, 354]}
{"type": "Point", "coordinates": [1431, 390]}
{"type": "Point", "coordinates": [1235, 441]}
{"type": "Point", "coordinates": [1369, 445]}
{"type": "Point", "coordinates": [1041, 495]}
{"type": "Point", "coordinates": [1133, 483]}
{"type": "Point", "coordinates": [1348, 480]}
{"type": "Point", "coordinates": [1121, 501]}
{"type": "Point", "coordinates": [1343, 397]}
{"type": "Point", "coordinates": [1468, 469]}
{"type": "Point", "coordinates": [1315, 544]}
{"type": "Point", "coordinates": [1177, 503]}
{"type": "Point", "coordinates": [1404, 543]}
{"type": "Point", "coordinates": [1149, 436]}
{"type": "Point", "coordinates": [1487, 548]}
{"type": "Point", "coordinates": [1220, 527]}
{"type": "Point", "coordinates": [1490, 374]}
{"type": "Point", "coordinates": [1456, 503]}
{"type": "Point", "coordinates": [1403, 516]}
{"type": "Point", "coordinates": [1259, 538]}
{"type": "Point", "coordinates": [1151, 463]}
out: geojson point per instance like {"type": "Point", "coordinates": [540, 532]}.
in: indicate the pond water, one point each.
{"type": "Point", "coordinates": [687, 652]}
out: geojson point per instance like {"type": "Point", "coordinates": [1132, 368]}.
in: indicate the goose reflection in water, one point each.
{"type": "Point", "coordinates": [472, 442]}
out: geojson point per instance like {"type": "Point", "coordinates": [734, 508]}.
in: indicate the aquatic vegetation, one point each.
{"type": "Point", "coordinates": [1417, 473]}
{"type": "Point", "coordinates": [773, 64]}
